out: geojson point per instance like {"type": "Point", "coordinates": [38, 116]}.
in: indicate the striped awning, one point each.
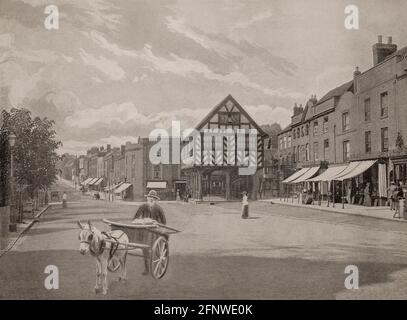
{"type": "Point", "coordinates": [91, 182]}
{"type": "Point", "coordinates": [295, 175]}
{"type": "Point", "coordinates": [309, 174]}
{"type": "Point", "coordinates": [99, 181]}
{"type": "Point", "coordinates": [84, 183]}
{"type": "Point", "coordinates": [328, 174]}
{"type": "Point", "coordinates": [359, 168]}
{"type": "Point", "coordinates": [122, 187]}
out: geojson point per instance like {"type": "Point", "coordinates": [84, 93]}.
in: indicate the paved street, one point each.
{"type": "Point", "coordinates": [281, 252]}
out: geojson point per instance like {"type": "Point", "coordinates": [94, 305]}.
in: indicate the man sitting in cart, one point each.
{"type": "Point", "coordinates": [151, 210]}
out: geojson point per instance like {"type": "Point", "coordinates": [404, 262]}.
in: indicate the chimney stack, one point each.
{"type": "Point", "coordinates": [382, 50]}
{"type": "Point", "coordinates": [356, 73]}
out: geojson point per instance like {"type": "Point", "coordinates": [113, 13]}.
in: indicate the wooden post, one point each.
{"type": "Point", "coordinates": [343, 200]}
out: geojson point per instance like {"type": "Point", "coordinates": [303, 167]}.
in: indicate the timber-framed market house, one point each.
{"type": "Point", "coordinates": [213, 176]}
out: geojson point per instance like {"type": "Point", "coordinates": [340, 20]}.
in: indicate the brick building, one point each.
{"type": "Point", "coordinates": [359, 127]}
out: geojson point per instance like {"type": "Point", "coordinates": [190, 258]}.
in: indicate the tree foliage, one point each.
{"type": "Point", "coordinates": [34, 151]}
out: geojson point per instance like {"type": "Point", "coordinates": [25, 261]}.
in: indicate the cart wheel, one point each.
{"type": "Point", "coordinates": [160, 256]}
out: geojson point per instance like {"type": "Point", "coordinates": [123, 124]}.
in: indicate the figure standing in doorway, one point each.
{"type": "Point", "coordinates": [367, 200]}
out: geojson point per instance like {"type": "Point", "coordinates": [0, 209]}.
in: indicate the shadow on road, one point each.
{"type": "Point", "coordinates": [189, 277]}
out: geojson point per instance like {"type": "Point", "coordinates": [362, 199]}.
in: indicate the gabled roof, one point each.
{"type": "Point", "coordinates": [220, 105]}
{"type": "Point", "coordinates": [337, 92]}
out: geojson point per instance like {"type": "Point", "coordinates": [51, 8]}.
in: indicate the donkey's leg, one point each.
{"type": "Point", "coordinates": [104, 275]}
{"type": "Point", "coordinates": [123, 267]}
{"type": "Point", "coordinates": [98, 276]}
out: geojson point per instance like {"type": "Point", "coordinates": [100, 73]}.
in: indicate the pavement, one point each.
{"type": "Point", "coordinates": [357, 210]}
{"type": "Point", "coordinates": [281, 252]}
{"type": "Point", "coordinates": [8, 243]}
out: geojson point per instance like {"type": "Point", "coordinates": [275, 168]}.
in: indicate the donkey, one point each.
{"type": "Point", "coordinates": [108, 255]}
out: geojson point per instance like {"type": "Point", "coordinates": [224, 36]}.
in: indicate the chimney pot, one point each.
{"type": "Point", "coordinates": [389, 40]}
{"type": "Point", "coordinates": [380, 39]}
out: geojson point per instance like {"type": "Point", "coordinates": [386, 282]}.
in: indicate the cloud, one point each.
{"type": "Point", "coordinates": [253, 20]}
{"type": "Point", "coordinates": [109, 67]}
{"type": "Point", "coordinates": [6, 40]}
{"type": "Point", "coordinates": [265, 114]}
{"type": "Point", "coordinates": [101, 41]}
{"type": "Point", "coordinates": [190, 67]}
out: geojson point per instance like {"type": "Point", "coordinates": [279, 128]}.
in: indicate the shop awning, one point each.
{"type": "Point", "coordinates": [295, 175]}
{"type": "Point", "coordinates": [122, 188]}
{"type": "Point", "coordinates": [113, 186]}
{"type": "Point", "coordinates": [91, 182]}
{"type": "Point", "coordinates": [359, 168]}
{"type": "Point", "coordinates": [98, 182]}
{"type": "Point", "coordinates": [156, 184]}
{"type": "Point", "coordinates": [84, 183]}
{"type": "Point", "coordinates": [180, 181]}
{"type": "Point", "coordinates": [328, 174]}
{"type": "Point", "coordinates": [309, 174]}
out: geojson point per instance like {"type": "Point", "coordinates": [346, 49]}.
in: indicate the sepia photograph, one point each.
{"type": "Point", "coordinates": [173, 150]}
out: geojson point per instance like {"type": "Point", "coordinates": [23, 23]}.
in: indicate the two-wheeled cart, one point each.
{"type": "Point", "coordinates": [151, 238]}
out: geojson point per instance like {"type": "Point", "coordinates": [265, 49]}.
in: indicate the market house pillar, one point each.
{"type": "Point", "coordinates": [227, 183]}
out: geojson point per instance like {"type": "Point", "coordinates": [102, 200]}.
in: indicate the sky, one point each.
{"type": "Point", "coordinates": [115, 70]}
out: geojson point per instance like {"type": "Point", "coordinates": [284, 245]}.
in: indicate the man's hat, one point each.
{"type": "Point", "coordinates": [152, 194]}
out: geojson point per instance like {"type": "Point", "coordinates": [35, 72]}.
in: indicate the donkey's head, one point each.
{"type": "Point", "coordinates": [86, 236]}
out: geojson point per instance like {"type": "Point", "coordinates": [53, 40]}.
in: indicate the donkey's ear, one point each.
{"type": "Point", "coordinates": [90, 225]}
{"type": "Point", "coordinates": [79, 224]}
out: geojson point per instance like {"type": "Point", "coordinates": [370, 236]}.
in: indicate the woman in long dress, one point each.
{"type": "Point", "coordinates": [367, 200]}
{"type": "Point", "coordinates": [245, 206]}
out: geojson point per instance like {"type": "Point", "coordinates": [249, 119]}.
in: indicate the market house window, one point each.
{"type": "Point", "coordinates": [315, 151]}
{"type": "Point", "coordinates": [325, 125]}
{"type": "Point", "coordinates": [385, 139]}
{"type": "Point", "coordinates": [367, 109]}
{"type": "Point", "coordinates": [306, 129]}
{"type": "Point", "coordinates": [368, 141]}
{"type": "Point", "coordinates": [384, 104]}
{"type": "Point", "coordinates": [289, 142]}
{"type": "Point", "coordinates": [294, 155]}
{"type": "Point", "coordinates": [346, 151]}
{"type": "Point", "coordinates": [315, 128]}
{"type": "Point", "coordinates": [229, 118]}
{"type": "Point", "coordinates": [345, 121]}
{"type": "Point", "coordinates": [281, 143]}
{"type": "Point", "coordinates": [157, 172]}
{"type": "Point", "coordinates": [326, 149]}
{"type": "Point", "coordinates": [302, 131]}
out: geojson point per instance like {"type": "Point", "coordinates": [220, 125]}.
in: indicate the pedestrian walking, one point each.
{"type": "Point", "coordinates": [64, 200]}
{"type": "Point", "coordinates": [392, 194]}
{"type": "Point", "coordinates": [367, 200]}
{"type": "Point", "coordinates": [245, 205]}
{"type": "Point", "coordinates": [399, 198]}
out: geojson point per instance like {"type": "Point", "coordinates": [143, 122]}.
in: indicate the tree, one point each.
{"type": "Point", "coordinates": [35, 149]}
